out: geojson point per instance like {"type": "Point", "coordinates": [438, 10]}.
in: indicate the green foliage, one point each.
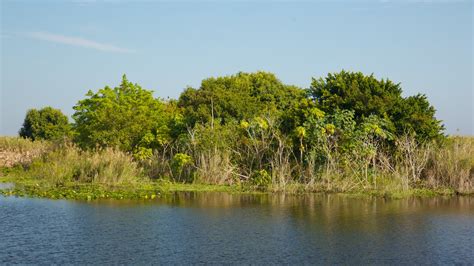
{"type": "Point", "coordinates": [366, 96]}
{"type": "Point", "coordinates": [206, 137]}
{"type": "Point", "coordinates": [45, 124]}
{"type": "Point", "coordinates": [181, 165]}
{"type": "Point", "coordinates": [127, 117]}
{"type": "Point", "coordinates": [339, 134]}
{"type": "Point", "coordinates": [237, 97]}
{"type": "Point", "coordinates": [415, 114]}
{"type": "Point", "coordinates": [346, 132]}
{"type": "Point", "coordinates": [261, 179]}
{"type": "Point", "coordinates": [180, 160]}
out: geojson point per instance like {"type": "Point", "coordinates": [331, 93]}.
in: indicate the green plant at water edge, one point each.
{"type": "Point", "coordinates": [261, 179]}
{"type": "Point", "coordinates": [181, 166]}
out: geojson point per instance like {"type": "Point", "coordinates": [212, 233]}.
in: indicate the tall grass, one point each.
{"type": "Point", "coordinates": [71, 164]}
{"type": "Point", "coordinates": [214, 167]}
{"type": "Point", "coordinates": [16, 144]}
{"type": "Point", "coordinates": [452, 165]}
{"type": "Point", "coordinates": [408, 165]}
{"type": "Point", "coordinates": [14, 150]}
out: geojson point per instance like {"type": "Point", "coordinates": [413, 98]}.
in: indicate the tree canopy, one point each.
{"type": "Point", "coordinates": [366, 96]}
{"type": "Point", "coordinates": [126, 116]}
{"type": "Point", "coordinates": [238, 97]}
{"type": "Point", "coordinates": [131, 118]}
{"type": "Point", "coordinates": [46, 123]}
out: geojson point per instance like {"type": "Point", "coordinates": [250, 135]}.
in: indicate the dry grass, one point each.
{"type": "Point", "coordinates": [452, 165]}
{"type": "Point", "coordinates": [15, 150]}
{"type": "Point", "coordinates": [70, 164]}
{"type": "Point", "coordinates": [411, 166]}
{"type": "Point", "coordinates": [214, 167]}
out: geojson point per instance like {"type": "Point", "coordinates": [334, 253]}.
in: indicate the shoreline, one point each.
{"type": "Point", "coordinates": [155, 189]}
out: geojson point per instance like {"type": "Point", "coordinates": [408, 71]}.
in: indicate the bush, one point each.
{"type": "Point", "coordinates": [350, 132]}
{"type": "Point", "coordinates": [261, 179]}
{"type": "Point", "coordinates": [181, 166]}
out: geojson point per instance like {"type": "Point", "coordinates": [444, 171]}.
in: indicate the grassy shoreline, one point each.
{"type": "Point", "coordinates": [63, 171]}
{"type": "Point", "coordinates": [25, 187]}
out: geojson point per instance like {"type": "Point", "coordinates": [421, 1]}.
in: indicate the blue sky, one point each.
{"type": "Point", "coordinates": [52, 52]}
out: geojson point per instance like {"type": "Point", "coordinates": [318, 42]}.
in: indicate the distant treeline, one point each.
{"type": "Point", "coordinates": [346, 131]}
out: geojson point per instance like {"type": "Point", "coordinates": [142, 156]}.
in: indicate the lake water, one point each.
{"type": "Point", "coordinates": [224, 228]}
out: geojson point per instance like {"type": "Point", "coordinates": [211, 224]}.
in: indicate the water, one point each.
{"type": "Point", "coordinates": [223, 228]}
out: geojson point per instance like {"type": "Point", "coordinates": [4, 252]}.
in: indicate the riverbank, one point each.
{"type": "Point", "coordinates": [63, 171]}
{"type": "Point", "coordinates": [24, 187]}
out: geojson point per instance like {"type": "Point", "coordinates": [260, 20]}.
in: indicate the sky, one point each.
{"type": "Point", "coordinates": [53, 52]}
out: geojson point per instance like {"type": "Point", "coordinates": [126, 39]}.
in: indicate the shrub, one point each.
{"type": "Point", "coordinates": [261, 178]}
{"type": "Point", "coordinates": [181, 166]}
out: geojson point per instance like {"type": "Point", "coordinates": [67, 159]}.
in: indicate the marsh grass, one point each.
{"type": "Point", "coordinates": [16, 144]}
{"type": "Point", "coordinates": [20, 151]}
{"type": "Point", "coordinates": [70, 164]}
{"type": "Point", "coordinates": [65, 171]}
{"type": "Point", "coordinates": [452, 165]}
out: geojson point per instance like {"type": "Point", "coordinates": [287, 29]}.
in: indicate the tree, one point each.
{"type": "Point", "coordinates": [46, 123]}
{"type": "Point", "coordinates": [415, 115]}
{"type": "Point", "coordinates": [237, 97]}
{"type": "Point", "coordinates": [126, 116]}
{"type": "Point", "coordinates": [367, 96]}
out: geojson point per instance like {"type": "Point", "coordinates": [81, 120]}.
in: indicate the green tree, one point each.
{"type": "Point", "coordinates": [366, 96]}
{"type": "Point", "coordinates": [46, 123]}
{"type": "Point", "coordinates": [127, 116]}
{"type": "Point", "coordinates": [415, 115]}
{"type": "Point", "coordinates": [237, 97]}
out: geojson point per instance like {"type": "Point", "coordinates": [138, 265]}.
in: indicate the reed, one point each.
{"type": "Point", "coordinates": [20, 151]}
{"type": "Point", "coordinates": [410, 168]}
{"type": "Point", "coordinates": [452, 165]}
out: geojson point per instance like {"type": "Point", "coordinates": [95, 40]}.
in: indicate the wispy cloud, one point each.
{"type": "Point", "coordinates": [77, 41]}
